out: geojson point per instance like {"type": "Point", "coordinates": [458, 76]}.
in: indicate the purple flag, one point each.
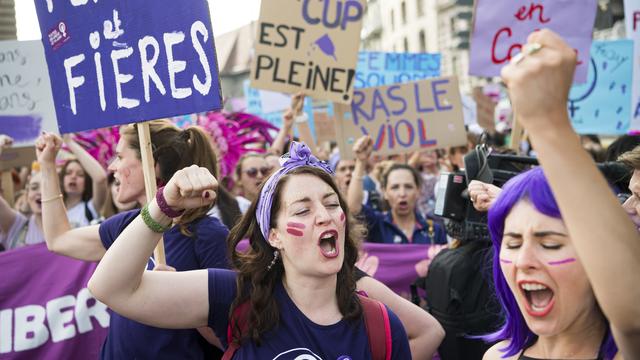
{"type": "Point", "coordinates": [502, 26]}
{"type": "Point", "coordinates": [397, 265]}
{"type": "Point", "coordinates": [46, 310]}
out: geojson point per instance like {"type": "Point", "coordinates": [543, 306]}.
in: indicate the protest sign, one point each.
{"type": "Point", "coordinates": [501, 27]}
{"type": "Point", "coordinates": [48, 313]}
{"type": "Point", "coordinates": [632, 21]}
{"type": "Point", "coordinates": [324, 126]}
{"type": "Point", "coordinates": [602, 105]}
{"type": "Point", "coordinates": [385, 68]}
{"type": "Point", "coordinates": [259, 102]}
{"type": "Point", "coordinates": [26, 103]}
{"type": "Point", "coordinates": [403, 117]}
{"type": "Point", "coordinates": [117, 62]}
{"type": "Point", "coordinates": [308, 46]}
{"type": "Point", "coordinates": [469, 110]}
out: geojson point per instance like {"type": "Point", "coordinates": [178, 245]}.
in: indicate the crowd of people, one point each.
{"type": "Point", "coordinates": [262, 262]}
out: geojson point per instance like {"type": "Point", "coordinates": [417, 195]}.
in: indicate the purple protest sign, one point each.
{"type": "Point", "coordinates": [502, 26]}
{"type": "Point", "coordinates": [397, 266]}
{"type": "Point", "coordinates": [46, 310]}
{"type": "Point", "coordinates": [118, 62]}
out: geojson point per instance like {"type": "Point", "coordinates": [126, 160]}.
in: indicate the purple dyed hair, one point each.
{"type": "Point", "coordinates": [531, 186]}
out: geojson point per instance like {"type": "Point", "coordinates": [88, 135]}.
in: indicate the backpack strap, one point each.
{"type": "Point", "coordinates": [376, 321]}
{"type": "Point", "coordinates": [87, 212]}
{"type": "Point", "coordinates": [239, 315]}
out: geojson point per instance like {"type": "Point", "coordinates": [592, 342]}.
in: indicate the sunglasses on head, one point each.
{"type": "Point", "coordinates": [253, 172]}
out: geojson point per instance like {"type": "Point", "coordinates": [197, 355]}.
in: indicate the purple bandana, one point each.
{"type": "Point", "coordinates": [299, 155]}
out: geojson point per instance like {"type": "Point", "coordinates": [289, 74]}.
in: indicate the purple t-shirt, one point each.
{"type": "Point", "coordinates": [207, 248]}
{"type": "Point", "coordinates": [297, 337]}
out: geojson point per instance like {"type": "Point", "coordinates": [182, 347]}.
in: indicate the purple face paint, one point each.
{"type": "Point", "coordinates": [561, 262]}
{"type": "Point", "coordinates": [295, 232]}
{"type": "Point", "coordinates": [296, 225]}
{"type": "Point", "coordinates": [505, 261]}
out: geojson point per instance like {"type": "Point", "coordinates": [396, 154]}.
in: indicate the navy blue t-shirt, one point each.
{"type": "Point", "coordinates": [207, 248]}
{"type": "Point", "coordinates": [381, 229]}
{"type": "Point", "coordinates": [296, 336]}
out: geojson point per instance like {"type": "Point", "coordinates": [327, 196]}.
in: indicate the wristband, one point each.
{"type": "Point", "coordinates": [164, 207]}
{"type": "Point", "coordinates": [59, 196]}
{"type": "Point", "coordinates": [152, 224]}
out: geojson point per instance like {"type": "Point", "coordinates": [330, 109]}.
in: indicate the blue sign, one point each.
{"type": "Point", "coordinates": [117, 62]}
{"type": "Point", "coordinates": [385, 68]}
{"type": "Point", "coordinates": [254, 106]}
{"type": "Point", "coordinates": [602, 105]}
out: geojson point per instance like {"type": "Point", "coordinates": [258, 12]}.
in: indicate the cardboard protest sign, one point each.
{"type": "Point", "coordinates": [26, 103]}
{"type": "Point", "coordinates": [502, 26]}
{"type": "Point", "coordinates": [385, 68]}
{"type": "Point", "coordinates": [632, 21]}
{"type": "Point", "coordinates": [117, 62]}
{"type": "Point", "coordinates": [403, 117]}
{"type": "Point", "coordinates": [602, 105]}
{"type": "Point", "coordinates": [324, 126]}
{"type": "Point", "coordinates": [308, 46]}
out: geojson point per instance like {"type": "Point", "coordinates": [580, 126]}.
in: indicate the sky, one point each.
{"type": "Point", "coordinates": [226, 15]}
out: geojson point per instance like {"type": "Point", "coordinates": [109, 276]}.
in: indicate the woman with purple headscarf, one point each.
{"type": "Point", "coordinates": [565, 253]}
{"type": "Point", "coordinates": [293, 292]}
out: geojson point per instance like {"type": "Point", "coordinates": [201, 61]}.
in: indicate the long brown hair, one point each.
{"type": "Point", "coordinates": [256, 284]}
{"type": "Point", "coordinates": [88, 182]}
{"type": "Point", "coordinates": [174, 149]}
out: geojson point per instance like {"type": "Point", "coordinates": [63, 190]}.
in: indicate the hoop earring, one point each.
{"type": "Point", "coordinates": [276, 255]}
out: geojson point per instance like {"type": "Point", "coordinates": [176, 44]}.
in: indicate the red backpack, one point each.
{"type": "Point", "coordinates": [376, 321]}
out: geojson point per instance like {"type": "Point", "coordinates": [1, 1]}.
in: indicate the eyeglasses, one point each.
{"type": "Point", "coordinates": [253, 172]}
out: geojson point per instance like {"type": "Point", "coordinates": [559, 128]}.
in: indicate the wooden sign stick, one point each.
{"type": "Point", "coordinates": [7, 187]}
{"type": "Point", "coordinates": [150, 185]}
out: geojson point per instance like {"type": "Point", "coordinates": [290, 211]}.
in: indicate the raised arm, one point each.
{"type": "Point", "coordinates": [158, 298]}
{"type": "Point", "coordinates": [7, 214]}
{"type": "Point", "coordinates": [287, 125]}
{"type": "Point", "coordinates": [362, 149]}
{"type": "Point", "coordinates": [94, 169]}
{"type": "Point", "coordinates": [424, 332]}
{"type": "Point", "coordinates": [82, 243]}
{"type": "Point", "coordinates": [605, 239]}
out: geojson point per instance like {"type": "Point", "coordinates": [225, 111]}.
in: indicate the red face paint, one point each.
{"type": "Point", "coordinates": [342, 217]}
{"type": "Point", "coordinates": [296, 225]}
{"type": "Point", "coordinates": [561, 262]}
{"type": "Point", "coordinates": [295, 232]}
{"type": "Point", "coordinates": [505, 261]}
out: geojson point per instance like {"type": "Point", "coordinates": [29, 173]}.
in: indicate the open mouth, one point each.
{"type": "Point", "coordinates": [328, 244]}
{"type": "Point", "coordinates": [403, 204]}
{"type": "Point", "coordinates": [540, 298]}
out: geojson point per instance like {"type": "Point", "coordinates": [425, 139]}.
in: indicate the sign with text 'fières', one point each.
{"type": "Point", "coordinates": [308, 46]}
{"type": "Point", "coordinates": [117, 62]}
{"type": "Point", "coordinates": [502, 26]}
{"type": "Point", "coordinates": [632, 22]}
{"type": "Point", "coordinates": [387, 68]}
{"type": "Point", "coordinates": [602, 105]}
{"type": "Point", "coordinates": [400, 118]}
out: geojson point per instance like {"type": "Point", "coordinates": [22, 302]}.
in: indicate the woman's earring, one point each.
{"type": "Point", "coordinates": [276, 255]}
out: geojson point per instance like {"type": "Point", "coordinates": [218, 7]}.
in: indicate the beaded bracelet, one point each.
{"type": "Point", "coordinates": [152, 224]}
{"type": "Point", "coordinates": [164, 207]}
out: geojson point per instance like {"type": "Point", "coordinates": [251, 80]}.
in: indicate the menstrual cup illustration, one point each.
{"type": "Point", "coordinates": [326, 46]}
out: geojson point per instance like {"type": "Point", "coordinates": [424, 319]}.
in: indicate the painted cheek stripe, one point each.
{"type": "Point", "coordinates": [505, 261]}
{"type": "Point", "coordinates": [560, 262]}
{"type": "Point", "coordinates": [342, 217]}
{"type": "Point", "coordinates": [295, 232]}
{"type": "Point", "coordinates": [296, 225]}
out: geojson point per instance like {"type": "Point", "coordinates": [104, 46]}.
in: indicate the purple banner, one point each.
{"type": "Point", "coordinates": [501, 27]}
{"type": "Point", "coordinates": [46, 310]}
{"type": "Point", "coordinates": [397, 265]}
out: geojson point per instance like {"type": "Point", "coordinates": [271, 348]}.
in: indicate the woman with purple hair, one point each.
{"type": "Point", "coordinates": [565, 253]}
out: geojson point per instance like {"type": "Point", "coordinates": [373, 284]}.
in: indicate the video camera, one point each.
{"type": "Point", "coordinates": [462, 220]}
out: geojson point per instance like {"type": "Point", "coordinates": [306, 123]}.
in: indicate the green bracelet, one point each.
{"type": "Point", "coordinates": [152, 224]}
